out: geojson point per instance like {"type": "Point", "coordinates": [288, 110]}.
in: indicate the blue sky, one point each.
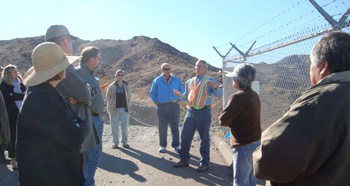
{"type": "Point", "coordinates": [191, 26]}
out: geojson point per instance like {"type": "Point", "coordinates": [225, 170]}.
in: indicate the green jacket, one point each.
{"type": "Point", "coordinates": [310, 144]}
{"type": "Point", "coordinates": [4, 122]}
{"type": "Point", "coordinates": [74, 86]}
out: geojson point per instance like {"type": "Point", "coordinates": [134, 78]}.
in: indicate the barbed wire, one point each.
{"type": "Point", "coordinates": [272, 19]}
{"type": "Point", "coordinates": [291, 21]}
{"type": "Point", "coordinates": [297, 30]}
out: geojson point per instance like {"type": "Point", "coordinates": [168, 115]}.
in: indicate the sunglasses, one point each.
{"type": "Point", "coordinates": [120, 74]}
{"type": "Point", "coordinates": [166, 68]}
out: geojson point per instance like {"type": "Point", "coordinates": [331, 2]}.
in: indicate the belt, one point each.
{"type": "Point", "coordinates": [205, 107]}
{"type": "Point", "coordinates": [94, 114]}
{"type": "Point", "coordinates": [169, 102]}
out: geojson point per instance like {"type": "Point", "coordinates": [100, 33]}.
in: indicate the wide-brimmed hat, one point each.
{"type": "Point", "coordinates": [48, 60]}
{"type": "Point", "coordinates": [57, 30]}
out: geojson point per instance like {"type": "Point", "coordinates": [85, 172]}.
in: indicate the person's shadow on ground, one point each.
{"type": "Point", "coordinates": [118, 165]}
{"type": "Point", "coordinates": [216, 175]}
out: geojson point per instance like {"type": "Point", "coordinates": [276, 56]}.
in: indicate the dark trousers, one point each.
{"type": "Point", "coordinates": [2, 152]}
{"type": "Point", "coordinates": [11, 146]}
{"type": "Point", "coordinates": [200, 120]}
{"type": "Point", "coordinates": [168, 113]}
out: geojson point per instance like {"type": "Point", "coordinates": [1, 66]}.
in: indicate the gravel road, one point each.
{"type": "Point", "coordinates": [142, 164]}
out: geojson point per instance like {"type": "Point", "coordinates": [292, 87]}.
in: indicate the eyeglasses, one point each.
{"type": "Point", "coordinates": [120, 74]}
{"type": "Point", "coordinates": [166, 68]}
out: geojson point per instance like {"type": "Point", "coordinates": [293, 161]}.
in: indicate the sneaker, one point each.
{"type": "Point", "coordinates": [177, 149]}
{"type": "Point", "coordinates": [202, 168]}
{"type": "Point", "coordinates": [126, 146]}
{"type": "Point", "coordinates": [162, 150]}
{"type": "Point", "coordinates": [114, 146]}
{"type": "Point", "coordinates": [181, 164]}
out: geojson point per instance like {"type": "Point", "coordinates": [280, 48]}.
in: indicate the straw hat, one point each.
{"type": "Point", "coordinates": [48, 60]}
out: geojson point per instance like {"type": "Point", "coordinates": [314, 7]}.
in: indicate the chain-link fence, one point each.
{"type": "Point", "coordinates": [283, 64]}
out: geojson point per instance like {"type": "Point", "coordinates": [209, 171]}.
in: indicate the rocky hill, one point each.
{"type": "Point", "coordinates": [141, 58]}
{"type": "Point", "coordinates": [280, 83]}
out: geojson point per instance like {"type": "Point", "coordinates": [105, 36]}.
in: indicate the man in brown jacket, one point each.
{"type": "Point", "coordinates": [242, 115]}
{"type": "Point", "coordinates": [310, 144]}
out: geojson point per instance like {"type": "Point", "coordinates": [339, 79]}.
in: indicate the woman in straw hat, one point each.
{"type": "Point", "coordinates": [13, 91]}
{"type": "Point", "coordinates": [48, 139]}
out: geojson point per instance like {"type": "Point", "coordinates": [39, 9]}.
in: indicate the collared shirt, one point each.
{"type": "Point", "coordinates": [210, 91]}
{"type": "Point", "coordinates": [97, 104]}
{"type": "Point", "coordinates": [163, 92]}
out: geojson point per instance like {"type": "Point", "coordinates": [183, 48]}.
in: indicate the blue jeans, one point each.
{"type": "Point", "coordinates": [168, 113]}
{"type": "Point", "coordinates": [243, 174]}
{"type": "Point", "coordinates": [92, 156]}
{"type": "Point", "coordinates": [200, 120]}
{"type": "Point", "coordinates": [122, 117]}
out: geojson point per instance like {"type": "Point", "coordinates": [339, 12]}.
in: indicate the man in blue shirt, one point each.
{"type": "Point", "coordinates": [198, 92]}
{"type": "Point", "coordinates": [168, 109]}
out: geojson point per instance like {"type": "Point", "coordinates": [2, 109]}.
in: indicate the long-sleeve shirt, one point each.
{"type": "Point", "coordinates": [310, 144]}
{"type": "Point", "coordinates": [163, 92]}
{"type": "Point", "coordinates": [48, 136]}
{"type": "Point", "coordinates": [210, 91]}
{"type": "Point", "coordinates": [242, 115]}
{"type": "Point", "coordinates": [74, 86]}
{"type": "Point", "coordinates": [97, 104]}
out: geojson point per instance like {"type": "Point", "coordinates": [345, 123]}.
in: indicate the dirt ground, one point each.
{"type": "Point", "coordinates": [142, 164]}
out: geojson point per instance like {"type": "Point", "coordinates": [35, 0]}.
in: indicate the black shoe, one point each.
{"type": "Point", "coordinates": [181, 164]}
{"type": "Point", "coordinates": [202, 168]}
{"type": "Point", "coordinates": [126, 146]}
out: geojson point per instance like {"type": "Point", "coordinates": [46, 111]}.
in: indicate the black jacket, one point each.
{"type": "Point", "coordinates": [10, 97]}
{"type": "Point", "coordinates": [48, 140]}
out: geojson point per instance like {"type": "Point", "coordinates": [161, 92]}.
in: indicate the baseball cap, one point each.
{"type": "Point", "coordinates": [234, 73]}
{"type": "Point", "coordinates": [57, 30]}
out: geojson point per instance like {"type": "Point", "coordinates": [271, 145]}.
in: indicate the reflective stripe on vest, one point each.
{"type": "Point", "coordinates": [197, 93]}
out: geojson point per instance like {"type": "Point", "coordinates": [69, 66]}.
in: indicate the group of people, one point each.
{"type": "Point", "coordinates": [167, 92]}
{"type": "Point", "coordinates": [308, 145]}
{"type": "Point", "coordinates": [51, 117]}
{"type": "Point", "coordinates": [12, 93]}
